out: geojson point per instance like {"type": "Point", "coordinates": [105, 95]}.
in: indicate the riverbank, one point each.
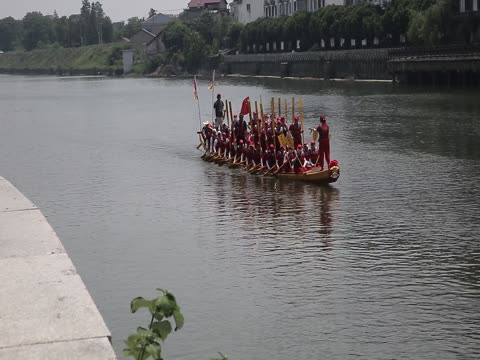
{"type": "Point", "coordinates": [103, 59]}
{"type": "Point", "coordinates": [45, 309]}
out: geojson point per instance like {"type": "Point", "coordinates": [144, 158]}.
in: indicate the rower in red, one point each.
{"type": "Point", "coordinates": [240, 129]}
{"type": "Point", "coordinates": [296, 131]}
{"type": "Point", "coordinates": [270, 157]}
{"type": "Point", "coordinates": [323, 141]}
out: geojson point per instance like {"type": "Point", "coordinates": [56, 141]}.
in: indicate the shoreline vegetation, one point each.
{"type": "Point", "coordinates": [103, 59]}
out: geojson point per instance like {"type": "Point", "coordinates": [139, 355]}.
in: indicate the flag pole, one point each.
{"type": "Point", "coordinates": [213, 92]}
{"type": "Point", "coordinates": [198, 101]}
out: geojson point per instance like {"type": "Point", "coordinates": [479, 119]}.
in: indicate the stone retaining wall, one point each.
{"type": "Point", "coordinates": [343, 64]}
{"type": "Point", "coordinates": [46, 311]}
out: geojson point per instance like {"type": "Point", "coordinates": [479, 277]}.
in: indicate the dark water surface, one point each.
{"type": "Point", "coordinates": [385, 264]}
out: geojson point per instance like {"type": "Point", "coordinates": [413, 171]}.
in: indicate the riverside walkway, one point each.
{"type": "Point", "coordinates": [46, 311]}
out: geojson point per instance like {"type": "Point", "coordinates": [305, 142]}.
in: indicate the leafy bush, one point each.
{"type": "Point", "coordinates": [145, 342]}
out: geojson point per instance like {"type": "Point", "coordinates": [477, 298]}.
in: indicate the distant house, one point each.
{"type": "Point", "coordinates": [197, 7]}
{"type": "Point", "coordinates": [467, 21]}
{"type": "Point", "coordinates": [212, 5]}
{"type": "Point", "coordinates": [246, 11]}
{"type": "Point", "coordinates": [274, 8]}
{"type": "Point", "coordinates": [468, 5]}
{"type": "Point", "coordinates": [150, 36]}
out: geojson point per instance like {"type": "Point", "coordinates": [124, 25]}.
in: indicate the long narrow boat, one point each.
{"type": "Point", "coordinates": [315, 175]}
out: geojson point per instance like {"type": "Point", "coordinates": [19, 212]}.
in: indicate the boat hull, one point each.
{"type": "Point", "coordinates": [314, 175]}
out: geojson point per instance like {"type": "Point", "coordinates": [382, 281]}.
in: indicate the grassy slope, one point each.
{"type": "Point", "coordinates": [83, 58]}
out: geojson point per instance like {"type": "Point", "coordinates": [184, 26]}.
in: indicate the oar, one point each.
{"type": "Point", "coordinates": [258, 169]}
{"type": "Point", "coordinates": [281, 167]}
{"type": "Point", "coordinates": [251, 169]}
{"type": "Point", "coordinates": [271, 169]}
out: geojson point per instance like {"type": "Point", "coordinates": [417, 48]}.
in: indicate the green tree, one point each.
{"type": "Point", "coordinates": [60, 29]}
{"type": "Point", "coordinates": [234, 33]}
{"type": "Point", "coordinates": [296, 27]}
{"type": "Point", "coordinates": [185, 47]}
{"type": "Point", "coordinates": [36, 29]}
{"type": "Point", "coordinates": [325, 23]}
{"type": "Point", "coordinates": [74, 31]}
{"type": "Point", "coordinates": [395, 20]}
{"type": "Point", "coordinates": [133, 26]}
{"type": "Point", "coordinates": [431, 26]}
{"type": "Point", "coordinates": [204, 25]}
{"type": "Point", "coordinates": [8, 34]}
{"type": "Point", "coordinates": [107, 30]}
{"type": "Point", "coordinates": [95, 21]}
{"type": "Point", "coordinates": [87, 33]}
{"type": "Point", "coordinates": [118, 29]}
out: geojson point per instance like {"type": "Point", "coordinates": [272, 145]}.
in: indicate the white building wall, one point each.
{"type": "Point", "coordinates": [246, 11]}
{"type": "Point", "coordinates": [333, 2]}
{"type": "Point", "coordinates": [314, 5]}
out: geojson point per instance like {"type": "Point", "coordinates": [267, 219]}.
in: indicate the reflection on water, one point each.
{"type": "Point", "coordinates": [271, 206]}
{"type": "Point", "coordinates": [383, 264]}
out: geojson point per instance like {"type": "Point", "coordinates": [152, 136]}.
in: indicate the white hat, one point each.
{"type": "Point", "coordinates": [206, 123]}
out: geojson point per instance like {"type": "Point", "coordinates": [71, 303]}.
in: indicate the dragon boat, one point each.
{"type": "Point", "coordinates": [314, 175]}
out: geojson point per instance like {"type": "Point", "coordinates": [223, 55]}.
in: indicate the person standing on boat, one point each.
{"type": "Point", "coordinates": [296, 131]}
{"type": "Point", "coordinates": [219, 107]}
{"type": "Point", "coordinates": [323, 142]}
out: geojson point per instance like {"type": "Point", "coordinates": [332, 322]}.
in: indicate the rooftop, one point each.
{"type": "Point", "coordinates": [203, 3]}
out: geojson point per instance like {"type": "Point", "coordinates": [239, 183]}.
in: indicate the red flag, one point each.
{"type": "Point", "coordinates": [245, 106]}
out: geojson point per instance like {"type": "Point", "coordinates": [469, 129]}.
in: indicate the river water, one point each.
{"type": "Point", "coordinates": [384, 264]}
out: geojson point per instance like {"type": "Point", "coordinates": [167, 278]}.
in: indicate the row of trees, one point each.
{"type": "Point", "coordinates": [91, 26]}
{"type": "Point", "coordinates": [36, 30]}
{"type": "Point", "coordinates": [422, 21]}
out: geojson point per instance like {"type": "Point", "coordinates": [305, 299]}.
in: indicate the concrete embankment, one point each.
{"type": "Point", "coordinates": [46, 311]}
{"type": "Point", "coordinates": [341, 64]}
{"type": "Point", "coordinates": [439, 65]}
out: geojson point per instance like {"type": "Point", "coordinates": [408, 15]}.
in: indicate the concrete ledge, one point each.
{"type": "Point", "coordinates": [27, 233]}
{"type": "Point", "coordinates": [11, 199]}
{"type": "Point", "coordinates": [46, 311]}
{"type": "Point", "coordinates": [90, 349]}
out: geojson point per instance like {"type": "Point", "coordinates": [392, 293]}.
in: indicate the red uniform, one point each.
{"type": "Point", "coordinates": [270, 158]}
{"type": "Point", "coordinates": [292, 157]}
{"type": "Point", "coordinates": [269, 136]}
{"type": "Point", "coordinates": [324, 143]}
{"type": "Point", "coordinates": [298, 164]}
{"type": "Point", "coordinates": [240, 129]}
{"type": "Point", "coordinates": [296, 131]}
